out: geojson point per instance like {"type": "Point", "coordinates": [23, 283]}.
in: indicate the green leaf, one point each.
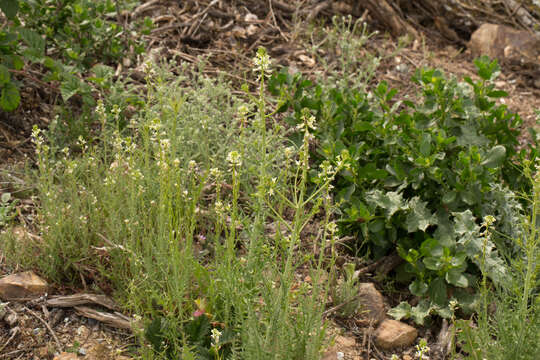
{"type": "Point", "coordinates": [497, 94]}
{"type": "Point", "coordinates": [17, 62]}
{"type": "Point", "coordinates": [433, 263]}
{"type": "Point", "coordinates": [425, 145]}
{"type": "Point", "coordinates": [390, 201]}
{"type": "Point", "coordinates": [495, 157]}
{"type": "Point", "coordinates": [444, 312]}
{"type": "Point", "coordinates": [10, 8]}
{"type": "Point", "coordinates": [449, 197]}
{"type": "Point", "coordinates": [467, 302]}
{"type": "Point", "coordinates": [421, 311]}
{"type": "Point", "coordinates": [402, 311]}
{"type": "Point", "coordinates": [457, 278]}
{"type": "Point", "coordinates": [418, 287]}
{"type": "Point", "coordinates": [465, 223]}
{"type": "Point", "coordinates": [437, 291]}
{"type": "Point", "coordinates": [419, 218]}
{"type": "Point", "coordinates": [445, 233]}
{"type": "Point", "coordinates": [431, 247]}
{"type": "Point", "coordinates": [70, 86]}
{"type": "Point", "coordinates": [36, 44]}
{"type": "Point", "coordinates": [5, 77]}
{"type": "Point", "coordinates": [370, 171]}
{"type": "Point", "coordinates": [362, 126]}
{"type": "Point", "coordinates": [10, 98]}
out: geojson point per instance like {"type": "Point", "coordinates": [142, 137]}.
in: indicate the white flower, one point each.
{"type": "Point", "coordinates": [243, 111]}
{"type": "Point", "coordinates": [262, 62]}
{"type": "Point", "coordinates": [489, 220]}
{"type": "Point", "coordinates": [216, 334]}
{"type": "Point", "coordinates": [234, 159]}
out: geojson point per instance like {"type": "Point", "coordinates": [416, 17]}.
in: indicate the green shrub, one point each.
{"type": "Point", "coordinates": [66, 38]}
{"type": "Point", "coordinates": [422, 175]}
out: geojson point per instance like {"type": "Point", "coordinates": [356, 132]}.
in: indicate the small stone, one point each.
{"type": "Point", "coordinates": [22, 285]}
{"type": "Point", "coordinates": [11, 319]}
{"type": "Point", "coordinates": [66, 356]}
{"type": "Point", "coordinates": [393, 334]}
{"type": "Point", "coordinates": [372, 304]}
{"type": "Point", "coordinates": [407, 357]}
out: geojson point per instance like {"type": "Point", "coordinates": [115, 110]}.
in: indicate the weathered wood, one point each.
{"type": "Point", "coordinates": [81, 299]}
{"type": "Point", "coordinates": [116, 320]}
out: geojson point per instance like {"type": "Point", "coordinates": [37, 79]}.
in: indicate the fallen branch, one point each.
{"type": "Point", "coordinates": [14, 331]}
{"type": "Point", "coordinates": [116, 320]}
{"type": "Point", "coordinates": [81, 299]}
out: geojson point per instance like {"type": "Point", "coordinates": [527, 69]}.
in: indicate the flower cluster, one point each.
{"type": "Point", "coordinates": [234, 159]}
{"type": "Point", "coordinates": [262, 63]}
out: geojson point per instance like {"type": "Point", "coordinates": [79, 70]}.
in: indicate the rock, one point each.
{"type": "Point", "coordinates": [66, 356]}
{"type": "Point", "coordinates": [407, 357]}
{"type": "Point", "coordinates": [372, 304]}
{"type": "Point", "coordinates": [22, 285]}
{"type": "Point", "coordinates": [392, 334]}
{"type": "Point", "coordinates": [505, 43]}
{"type": "Point", "coordinates": [11, 319]}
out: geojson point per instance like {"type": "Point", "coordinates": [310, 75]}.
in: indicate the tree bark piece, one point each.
{"type": "Point", "coordinates": [81, 299]}
{"type": "Point", "coordinates": [116, 320]}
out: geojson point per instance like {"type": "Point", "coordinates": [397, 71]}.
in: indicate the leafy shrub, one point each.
{"type": "Point", "coordinates": [67, 38]}
{"type": "Point", "coordinates": [421, 175]}
{"type": "Point", "coordinates": [80, 33]}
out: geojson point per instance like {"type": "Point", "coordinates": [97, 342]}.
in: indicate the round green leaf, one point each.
{"type": "Point", "coordinates": [456, 278]}
{"type": "Point", "coordinates": [433, 263]}
{"type": "Point", "coordinates": [495, 157]}
{"type": "Point", "coordinates": [418, 288]}
{"type": "Point", "coordinates": [10, 98]}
